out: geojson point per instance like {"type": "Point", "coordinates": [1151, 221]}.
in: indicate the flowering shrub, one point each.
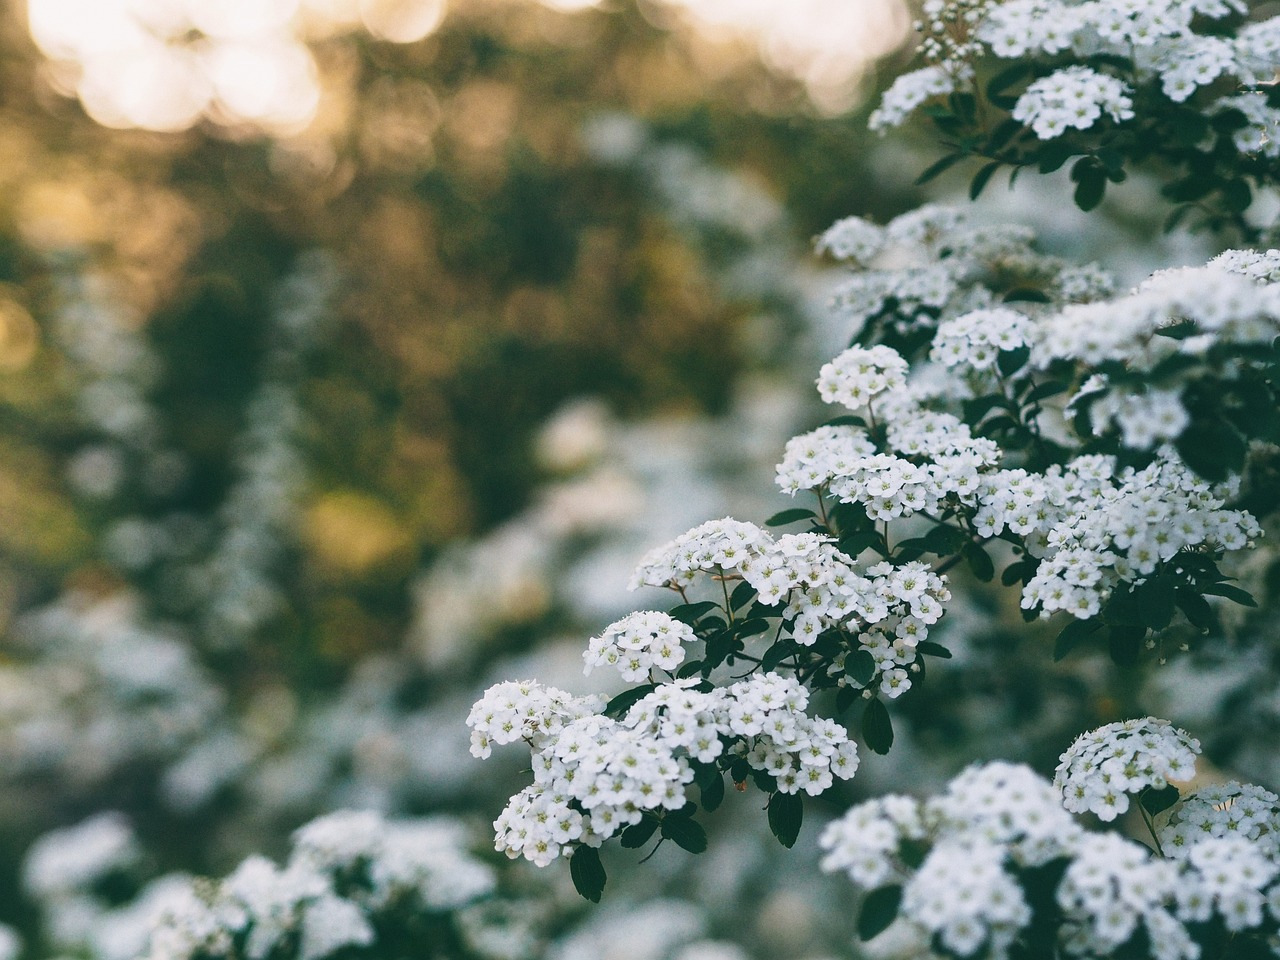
{"type": "Point", "coordinates": [1183, 83]}
{"type": "Point", "coordinates": [1000, 411]}
{"type": "Point", "coordinates": [1025, 427]}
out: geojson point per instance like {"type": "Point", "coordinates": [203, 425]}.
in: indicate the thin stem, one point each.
{"type": "Point", "coordinates": [1151, 827]}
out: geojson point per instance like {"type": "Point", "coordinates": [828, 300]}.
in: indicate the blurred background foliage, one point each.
{"type": "Point", "coordinates": [271, 348]}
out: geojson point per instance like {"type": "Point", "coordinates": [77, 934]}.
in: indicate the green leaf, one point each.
{"type": "Point", "coordinates": [750, 627]}
{"type": "Point", "coordinates": [1053, 155]}
{"type": "Point", "coordinates": [846, 697]}
{"type": "Point", "coordinates": [847, 420]}
{"type": "Point", "coordinates": [1197, 609]}
{"type": "Point", "coordinates": [783, 517]}
{"type": "Point", "coordinates": [934, 169]}
{"type": "Point", "coordinates": [712, 793]}
{"type": "Point", "coordinates": [979, 561]}
{"type": "Point", "coordinates": [860, 666]}
{"type": "Point", "coordinates": [638, 834]}
{"type": "Point", "coordinates": [879, 909]}
{"type": "Point", "coordinates": [691, 613]}
{"type": "Point", "coordinates": [877, 728]}
{"type": "Point", "coordinates": [786, 814]}
{"type": "Point", "coordinates": [685, 832]}
{"type": "Point", "coordinates": [931, 649]}
{"type": "Point", "coordinates": [1043, 391]}
{"type": "Point", "coordinates": [1073, 635]}
{"type": "Point", "coordinates": [1242, 597]}
{"type": "Point", "coordinates": [1091, 183]}
{"type": "Point", "coordinates": [1006, 78]}
{"type": "Point", "coordinates": [1236, 195]}
{"type": "Point", "coordinates": [1125, 643]}
{"type": "Point", "coordinates": [742, 594]}
{"type": "Point", "coordinates": [1011, 361]}
{"type": "Point", "coordinates": [587, 872]}
{"type": "Point", "coordinates": [1026, 295]}
{"type": "Point", "coordinates": [718, 649]}
{"type": "Point", "coordinates": [627, 699]}
{"type": "Point", "coordinates": [1212, 447]}
{"type": "Point", "coordinates": [944, 539]}
{"type": "Point", "coordinates": [1156, 599]}
{"type": "Point", "coordinates": [778, 652]}
{"type": "Point", "coordinates": [981, 178]}
{"type": "Point", "coordinates": [1156, 802]}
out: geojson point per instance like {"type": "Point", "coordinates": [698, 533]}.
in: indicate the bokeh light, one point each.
{"type": "Point", "coordinates": [166, 64]}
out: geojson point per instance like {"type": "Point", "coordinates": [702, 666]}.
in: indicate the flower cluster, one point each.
{"type": "Point", "coordinates": [975, 339]}
{"type": "Point", "coordinates": [523, 710]}
{"type": "Point", "coordinates": [352, 878]}
{"type": "Point", "coordinates": [860, 374]}
{"type": "Point", "coordinates": [638, 643]}
{"type": "Point", "coordinates": [1095, 527]}
{"type": "Point", "coordinates": [934, 264]}
{"type": "Point", "coordinates": [1072, 97]}
{"type": "Point", "coordinates": [1103, 767]}
{"type": "Point", "coordinates": [716, 545]}
{"type": "Point", "coordinates": [599, 775]}
{"type": "Point", "coordinates": [1111, 888]}
{"type": "Point", "coordinates": [1227, 876]}
{"type": "Point", "coordinates": [1223, 810]}
{"type": "Point", "coordinates": [970, 864]}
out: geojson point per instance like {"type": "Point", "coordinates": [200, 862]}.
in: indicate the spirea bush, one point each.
{"type": "Point", "coordinates": [1103, 84]}
{"type": "Point", "coordinates": [1101, 455]}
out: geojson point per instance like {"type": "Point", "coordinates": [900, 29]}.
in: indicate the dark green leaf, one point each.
{"type": "Point", "coordinates": [1236, 196]}
{"type": "Point", "coordinates": [587, 872]}
{"type": "Point", "coordinates": [691, 613]}
{"type": "Point", "coordinates": [934, 169]}
{"type": "Point", "coordinates": [860, 666]}
{"type": "Point", "coordinates": [783, 517]}
{"type": "Point", "coordinates": [750, 627]}
{"type": "Point", "coordinates": [627, 699]}
{"type": "Point", "coordinates": [846, 696]}
{"type": "Point", "coordinates": [1091, 186]}
{"type": "Point", "coordinates": [718, 649]}
{"type": "Point", "coordinates": [684, 832]}
{"type": "Point", "coordinates": [979, 561]}
{"type": "Point", "coordinates": [981, 178]}
{"type": "Point", "coordinates": [931, 649]}
{"type": "Point", "coordinates": [1043, 391]}
{"type": "Point", "coordinates": [1197, 609]}
{"type": "Point", "coordinates": [1025, 295]}
{"type": "Point", "coordinates": [944, 539]}
{"type": "Point", "coordinates": [1212, 447]}
{"type": "Point", "coordinates": [848, 420]}
{"type": "Point", "coordinates": [877, 728]}
{"type": "Point", "coordinates": [776, 654]}
{"type": "Point", "coordinates": [742, 594]}
{"type": "Point", "coordinates": [712, 793]}
{"type": "Point", "coordinates": [1074, 634]}
{"type": "Point", "coordinates": [1011, 361]}
{"type": "Point", "coordinates": [1156, 802]}
{"type": "Point", "coordinates": [1006, 78]}
{"type": "Point", "coordinates": [786, 814]}
{"type": "Point", "coordinates": [1125, 643]}
{"type": "Point", "coordinates": [1155, 601]}
{"type": "Point", "coordinates": [1005, 131]}
{"type": "Point", "coordinates": [638, 834]}
{"type": "Point", "coordinates": [1242, 597]}
{"type": "Point", "coordinates": [1053, 155]}
{"type": "Point", "coordinates": [879, 909]}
